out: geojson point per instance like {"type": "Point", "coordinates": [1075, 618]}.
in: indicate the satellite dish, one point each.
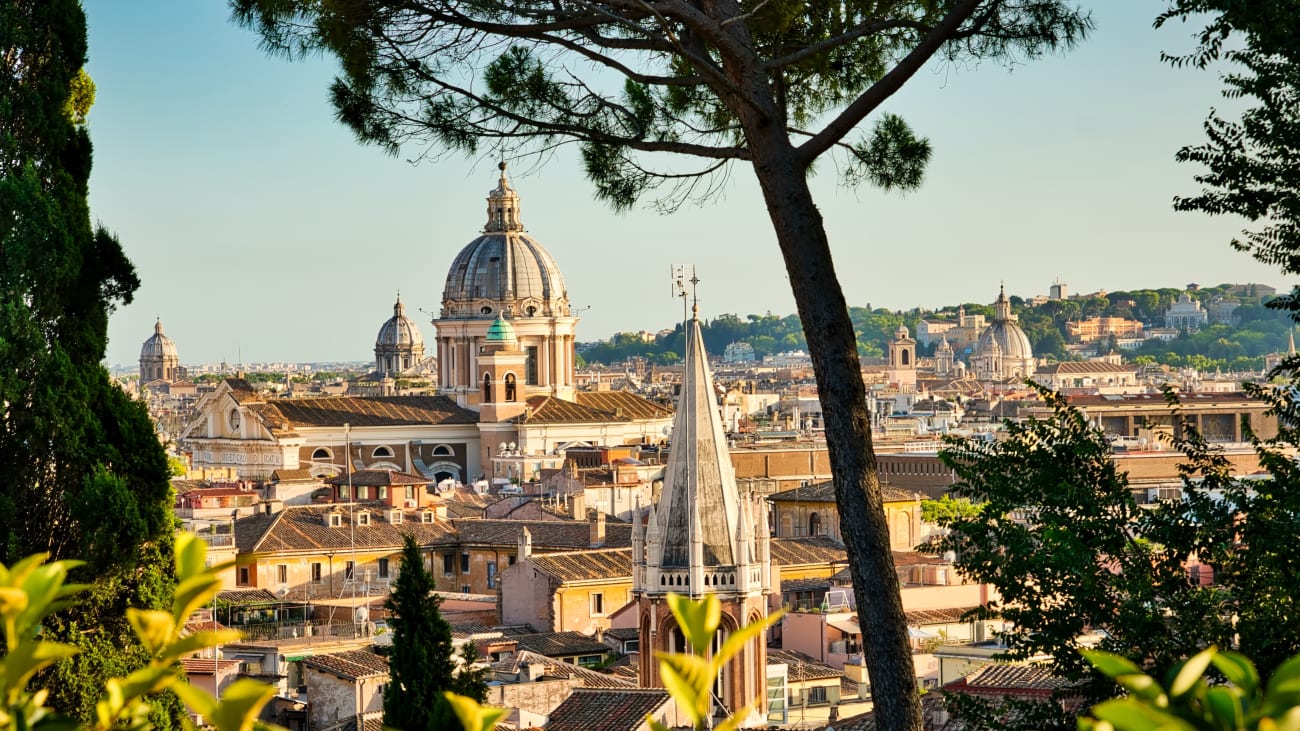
{"type": "Point", "coordinates": [360, 614]}
{"type": "Point", "coordinates": [667, 430]}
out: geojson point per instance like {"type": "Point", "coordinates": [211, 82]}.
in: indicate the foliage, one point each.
{"type": "Point", "coordinates": [73, 447]}
{"type": "Point", "coordinates": [1068, 549]}
{"type": "Point", "coordinates": [422, 662]}
{"type": "Point", "coordinates": [947, 510]}
{"type": "Point", "coordinates": [33, 591]}
{"type": "Point", "coordinates": [1188, 700]}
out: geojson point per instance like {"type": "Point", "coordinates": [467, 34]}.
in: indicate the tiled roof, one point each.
{"type": "Point", "coordinates": [306, 528]}
{"type": "Point", "coordinates": [824, 492]}
{"type": "Point", "coordinates": [381, 478]}
{"type": "Point", "coordinates": [1006, 679]}
{"type": "Point", "coordinates": [561, 644]}
{"type": "Point", "coordinates": [248, 596]}
{"type": "Point", "coordinates": [479, 631]}
{"type": "Point", "coordinates": [367, 411]}
{"type": "Point", "coordinates": [355, 664]}
{"type": "Point", "coordinates": [291, 475]}
{"type": "Point", "coordinates": [552, 534]}
{"type": "Point", "coordinates": [608, 710]}
{"type": "Point", "coordinates": [205, 666]}
{"type": "Point", "coordinates": [586, 565]}
{"type": "Point", "coordinates": [623, 633]}
{"type": "Point", "coordinates": [1068, 367]}
{"type": "Point", "coordinates": [931, 704]}
{"type": "Point", "coordinates": [559, 669]}
{"type": "Point", "coordinates": [919, 617]}
{"type": "Point", "coordinates": [807, 550]}
{"type": "Point", "coordinates": [802, 667]}
{"type": "Point", "coordinates": [804, 585]}
{"type": "Point", "coordinates": [632, 405]}
{"type": "Point", "coordinates": [242, 391]}
{"type": "Point", "coordinates": [592, 407]}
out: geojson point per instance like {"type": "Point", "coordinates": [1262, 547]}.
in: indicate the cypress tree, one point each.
{"type": "Point", "coordinates": [82, 474]}
{"type": "Point", "coordinates": [422, 663]}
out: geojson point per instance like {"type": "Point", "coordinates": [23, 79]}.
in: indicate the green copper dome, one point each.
{"type": "Point", "coordinates": [501, 331]}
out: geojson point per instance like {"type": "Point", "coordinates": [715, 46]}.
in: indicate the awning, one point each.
{"type": "Point", "coordinates": [920, 634]}
{"type": "Point", "coordinates": [847, 626]}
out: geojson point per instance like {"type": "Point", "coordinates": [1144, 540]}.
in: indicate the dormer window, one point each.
{"type": "Point", "coordinates": [363, 518]}
{"type": "Point", "coordinates": [382, 453]}
{"type": "Point", "coordinates": [395, 517]}
{"type": "Point", "coordinates": [336, 520]}
{"type": "Point", "coordinates": [426, 516]}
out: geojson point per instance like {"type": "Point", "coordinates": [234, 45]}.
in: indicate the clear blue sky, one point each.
{"type": "Point", "coordinates": [261, 229]}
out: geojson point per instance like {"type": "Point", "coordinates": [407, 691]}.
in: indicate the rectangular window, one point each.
{"type": "Point", "coordinates": [410, 492]}
{"type": "Point", "coordinates": [315, 573]}
{"type": "Point", "coordinates": [363, 492]}
{"type": "Point", "coordinates": [282, 573]}
{"type": "Point", "coordinates": [383, 492]}
{"type": "Point", "coordinates": [448, 564]}
{"type": "Point", "coordinates": [243, 576]}
{"type": "Point", "coordinates": [363, 518]}
{"type": "Point", "coordinates": [512, 559]}
{"type": "Point", "coordinates": [464, 563]}
{"type": "Point", "coordinates": [597, 604]}
{"type": "Point", "coordinates": [817, 694]}
{"type": "Point", "coordinates": [531, 366]}
{"type": "Point", "coordinates": [492, 574]}
{"type": "Point", "coordinates": [464, 588]}
{"type": "Point", "coordinates": [348, 570]}
{"type": "Point", "coordinates": [383, 568]}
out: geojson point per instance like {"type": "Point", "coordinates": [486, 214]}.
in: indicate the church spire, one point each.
{"type": "Point", "coordinates": [699, 475]}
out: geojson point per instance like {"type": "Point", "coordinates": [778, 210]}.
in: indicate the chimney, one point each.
{"type": "Point", "coordinates": [530, 672]}
{"type": "Point", "coordinates": [525, 543]}
{"type": "Point", "coordinates": [578, 508]}
{"type": "Point", "coordinates": [598, 530]}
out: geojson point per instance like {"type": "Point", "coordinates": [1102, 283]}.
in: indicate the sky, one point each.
{"type": "Point", "coordinates": [263, 232]}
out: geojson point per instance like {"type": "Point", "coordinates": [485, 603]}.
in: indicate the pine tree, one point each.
{"type": "Point", "coordinates": [423, 663]}
{"type": "Point", "coordinates": [82, 474]}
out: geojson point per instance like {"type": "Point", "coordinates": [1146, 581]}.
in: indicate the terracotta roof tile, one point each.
{"type": "Point", "coordinates": [608, 710]}
{"type": "Point", "coordinates": [306, 528]}
{"type": "Point", "coordinates": [807, 550]}
{"type": "Point", "coordinates": [353, 665]}
{"type": "Point", "coordinates": [1090, 366]}
{"type": "Point", "coordinates": [553, 668]}
{"type": "Point", "coordinates": [1006, 679]}
{"type": "Point", "coordinates": [379, 478]}
{"type": "Point", "coordinates": [561, 644]}
{"type": "Point", "coordinates": [365, 411]}
{"type": "Point", "coordinates": [547, 534]}
{"type": "Point", "coordinates": [632, 405]}
{"type": "Point", "coordinates": [248, 596]}
{"type": "Point", "coordinates": [586, 565]}
{"type": "Point", "coordinates": [802, 667]}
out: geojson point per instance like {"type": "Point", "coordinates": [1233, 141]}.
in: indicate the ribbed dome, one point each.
{"type": "Point", "coordinates": [399, 331]}
{"type": "Point", "coordinates": [1011, 340]}
{"type": "Point", "coordinates": [505, 269]}
{"type": "Point", "coordinates": [158, 345]}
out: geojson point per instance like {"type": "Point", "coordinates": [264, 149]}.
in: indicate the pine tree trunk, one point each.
{"type": "Point", "coordinates": [832, 343]}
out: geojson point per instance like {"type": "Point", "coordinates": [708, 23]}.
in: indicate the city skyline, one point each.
{"type": "Point", "coordinates": [263, 232]}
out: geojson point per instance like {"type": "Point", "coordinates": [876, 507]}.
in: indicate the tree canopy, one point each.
{"type": "Point", "coordinates": [73, 447]}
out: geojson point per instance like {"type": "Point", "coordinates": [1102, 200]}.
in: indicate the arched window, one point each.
{"type": "Point", "coordinates": [487, 388]}
{"type": "Point", "coordinates": [814, 524]}
{"type": "Point", "coordinates": [510, 387]}
{"type": "Point", "coordinates": [382, 453]}
{"type": "Point", "coordinates": [322, 453]}
{"type": "Point", "coordinates": [443, 450]}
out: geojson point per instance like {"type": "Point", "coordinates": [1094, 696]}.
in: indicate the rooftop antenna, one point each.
{"type": "Point", "coordinates": [682, 275]}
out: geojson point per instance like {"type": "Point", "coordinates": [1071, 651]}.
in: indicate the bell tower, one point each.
{"type": "Point", "coordinates": [703, 537]}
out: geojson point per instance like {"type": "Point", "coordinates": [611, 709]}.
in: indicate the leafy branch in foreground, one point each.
{"type": "Point", "coordinates": [32, 589]}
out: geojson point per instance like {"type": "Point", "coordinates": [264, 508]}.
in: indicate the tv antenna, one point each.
{"type": "Point", "coordinates": [683, 275]}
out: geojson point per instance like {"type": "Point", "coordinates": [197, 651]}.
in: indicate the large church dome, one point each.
{"type": "Point", "coordinates": [505, 269]}
{"type": "Point", "coordinates": [158, 345]}
{"type": "Point", "coordinates": [399, 331]}
{"type": "Point", "coordinates": [1003, 350]}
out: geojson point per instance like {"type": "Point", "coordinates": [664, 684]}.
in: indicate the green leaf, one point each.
{"type": "Point", "coordinates": [1239, 671]}
{"type": "Point", "coordinates": [1224, 704]}
{"type": "Point", "coordinates": [1190, 672]}
{"type": "Point", "coordinates": [472, 716]}
{"type": "Point", "coordinates": [1127, 714]}
{"type": "Point", "coordinates": [191, 555]}
{"type": "Point", "coordinates": [698, 620]}
{"type": "Point", "coordinates": [154, 627]}
{"type": "Point", "coordinates": [1110, 664]}
{"type": "Point", "coordinates": [193, 593]}
{"type": "Point", "coordinates": [1144, 687]}
{"type": "Point", "coordinates": [681, 675]}
{"type": "Point", "coordinates": [1286, 673]}
{"type": "Point", "coordinates": [737, 640]}
{"type": "Point", "coordinates": [240, 704]}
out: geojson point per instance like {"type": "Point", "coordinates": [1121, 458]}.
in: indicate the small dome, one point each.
{"type": "Point", "coordinates": [1011, 340]}
{"type": "Point", "coordinates": [505, 269]}
{"type": "Point", "coordinates": [158, 345]}
{"type": "Point", "coordinates": [501, 331]}
{"type": "Point", "coordinates": [399, 331]}
{"type": "Point", "coordinates": [902, 333]}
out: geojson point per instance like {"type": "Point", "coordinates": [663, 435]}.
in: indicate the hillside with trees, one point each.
{"type": "Point", "coordinates": [1255, 330]}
